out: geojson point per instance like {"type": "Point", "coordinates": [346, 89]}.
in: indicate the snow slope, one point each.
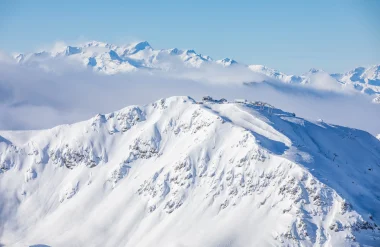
{"type": "Point", "coordinates": [111, 59]}
{"type": "Point", "coordinates": [183, 173]}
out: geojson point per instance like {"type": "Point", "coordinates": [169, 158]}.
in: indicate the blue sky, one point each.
{"type": "Point", "coordinates": [291, 36]}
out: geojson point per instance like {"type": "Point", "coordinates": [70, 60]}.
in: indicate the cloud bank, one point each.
{"type": "Point", "coordinates": [32, 98]}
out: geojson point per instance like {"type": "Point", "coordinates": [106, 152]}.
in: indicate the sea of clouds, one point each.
{"type": "Point", "coordinates": [37, 97]}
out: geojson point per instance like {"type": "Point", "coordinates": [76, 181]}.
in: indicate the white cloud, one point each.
{"type": "Point", "coordinates": [33, 99]}
{"type": "Point", "coordinates": [323, 81]}
{"type": "Point", "coordinates": [58, 46]}
{"type": "Point", "coordinates": [6, 58]}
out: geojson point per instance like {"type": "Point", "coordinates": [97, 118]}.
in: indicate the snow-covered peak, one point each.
{"type": "Point", "coordinates": [363, 79]}
{"type": "Point", "coordinates": [95, 43]}
{"type": "Point", "coordinates": [355, 74]}
{"type": "Point", "coordinates": [264, 69]}
{"type": "Point", "coordinates": [138, 46]}
{"type": "Point", "coordinates": [372, 73]}
{"type": "Point", "coordinates": [368, 75]}
{"type": "Point", "coordinates": [174, 51]}
{"type": "Point", "coordinates": [18, 57]}
{"type": "Point", "coordinates": [226, 62]}
{"type": "Point", "coordinates": [190, 52]}
{"type": "Point", "coordinates": [314, 71]}
{"type": "Point", "coordinates": [276, 74]}
{"type": "Point", "coordinates": [212, 165]}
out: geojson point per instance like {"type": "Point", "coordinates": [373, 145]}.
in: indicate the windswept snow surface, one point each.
{"type": "Point", "coordinates": [183, 173]}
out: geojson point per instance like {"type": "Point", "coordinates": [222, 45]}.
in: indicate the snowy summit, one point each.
{"type": "Point", "coordinates": [179, 172]}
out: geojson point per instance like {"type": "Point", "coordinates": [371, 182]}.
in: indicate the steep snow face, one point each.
{"type": "Point", "coordinates": [183, 173]}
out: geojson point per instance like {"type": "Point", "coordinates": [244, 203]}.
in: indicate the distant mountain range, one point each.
{"type": "Point", "coordinates": [112, 59]}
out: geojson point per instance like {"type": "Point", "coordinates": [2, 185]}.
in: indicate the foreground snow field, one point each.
{"type": "Point", "coordinates": [183, 173]}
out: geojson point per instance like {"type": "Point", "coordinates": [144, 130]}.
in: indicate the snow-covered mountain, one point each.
{"type": "Point", "coordinates": [366, 80]}
{"type": "Point", "coordinates": [183, 173]}
{"type": "Point", "coordinates": [112, 59]}
{"type": "Point", "coordinates": [277, 74]}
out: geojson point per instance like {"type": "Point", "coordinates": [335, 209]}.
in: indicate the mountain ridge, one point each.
{"type": "Point", "coordinates": [191, 165]}
{"type": "Point", "coordinates": [112, 59]}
